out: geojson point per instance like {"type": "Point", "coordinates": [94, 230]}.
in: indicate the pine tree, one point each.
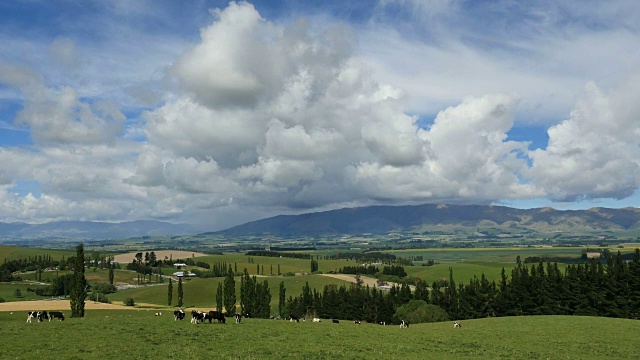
{"type": "Point", "coordinates": [219, 297]}
{"type": "Point", "coordinates": [230, 293]}
{"type": "Point", "coordinates": [180, 293]}
{"type": "Point", "coordinates": [282, 300]}
{"type": "Point", "coordinates": [170, 292]}
{"type": "Point", "coordinates": [79, 287]}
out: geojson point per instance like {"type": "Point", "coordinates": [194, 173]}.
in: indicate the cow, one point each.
{"type": "Point", "coordinates": [31, 315]}
{"type": "Point", "coordinates": [56, 315]}
{"type": "Point", "coordinates": [238, 318]}
{"type": "Point", "coordinates": [216, 315]}
{"type": "Point", "coordinates": [456, 324]}
{"type": "Point", "coordinates": [158, 314]}
{"type": "Point", "coordinates": [43, 316]}
{"type": "Point", "coordinates": [293, 318]}
{"type": "Point", "coordinates": [383, 323]}
{"type": "Point", "coordinates": [197, 316]}
{"type": "Point", "coordinates": [404, 324]}
{"type": "Point", "coordinates": [178, 315]}
{"type": "Point", "coordinates": [335, 321]}
{"type": "Point", "coordinates": [316, 320]}
{"type": "Point", "coordinates": [357, 322]}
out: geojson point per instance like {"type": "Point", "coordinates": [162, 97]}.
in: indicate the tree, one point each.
{"type": "Point", "coordinates": [111, 274]}
{"type": "Point", "coordinates": [230, 293]}
{"type": "Point", "coordinates": [314, 266]}
{"type": "Point", "coordinates": [180, 293]}
{"type": "Point", "coordinates": [418, 311]}
{"type": "Point", "coordinates": [139, 261]}
{"type": "Point", "coordinates": [219, 298]}
{"type": "Point", "coordinates": [282, 300]}
{"type": "Point", "coordinates": [170, 293]}
{"type": "Point", "coordinates": [79, 287]}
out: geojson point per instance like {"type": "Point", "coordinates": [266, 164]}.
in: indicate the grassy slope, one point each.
{"type": "Point", "coordinates": [14, 253]}
{"type": "Point", "coordinates": [140, 335]}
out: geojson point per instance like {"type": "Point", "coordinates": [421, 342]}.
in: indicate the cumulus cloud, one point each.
{"type": "Point", "coordinates": [595, 152]}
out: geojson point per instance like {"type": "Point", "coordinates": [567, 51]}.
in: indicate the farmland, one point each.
{"type": "Point", "coordinates": [141, 335]}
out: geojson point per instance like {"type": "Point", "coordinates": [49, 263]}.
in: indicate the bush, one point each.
{"type": "Point", "coordinates": [102, 298]}
{"type": "Point", "coordinates": [418, 311]}
{"type": "Point", "coordinates": [104, 288]}
{"type": "Point", "coordinates": [1, 300]}
{"type": "Point", "coordinates": [129, 302]}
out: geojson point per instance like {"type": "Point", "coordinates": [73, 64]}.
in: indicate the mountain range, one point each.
{"type": "Point", "coordinates": [376, 220]}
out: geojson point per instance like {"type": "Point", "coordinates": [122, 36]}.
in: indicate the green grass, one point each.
{"type": "Point", "coordinates": [14, 253]}
{"type": "Point", "coordinates": [140, 335]}
{"type": "Point", "coordinates": [202, 292]}
{"type": "Point", "coordinates": [488, 254]}
{"type": "Point", "coordinates": [7, 291]}
{"type": "Point", "coordinates": [286, 264]}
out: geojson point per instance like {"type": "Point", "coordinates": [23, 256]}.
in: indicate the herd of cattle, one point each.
{"type": "Point", "coordinates": [43, 315]}
{"type": "Point", "coordinates": [198, 317]}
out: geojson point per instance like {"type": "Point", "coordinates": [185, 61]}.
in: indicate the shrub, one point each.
{"type": "Point", "coordinates": [1, 300]}
{"type": "Point", "coordinates": [129, 302]}
{"type": "Point", "coordinates": [418, 311]}
{"type": "Point", "coordinates": [104, 288]}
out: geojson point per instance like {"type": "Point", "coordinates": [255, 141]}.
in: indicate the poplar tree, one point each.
{"type": "Point", "coordinates": [170, 292]}
{"type": "Point", "coordinates": [180, 293]}
{"type": "Point", "coordinates": [219, 298]}
{"type": "Point", "coordinates": [282, 300]}
{"type": "Point", "coordinates": [79, 287]}
{"type": "Point", "coordinates": [230, 292]}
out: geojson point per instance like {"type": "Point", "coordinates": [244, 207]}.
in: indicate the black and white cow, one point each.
{"type": "Point", "coordinates": [404, 324]}
{"type": "Point", "coordinates": [335, 321]}
{"type": "Point", "coordinates": [216, 315]}
{"type": "Point", "coordinates": [293, 318]}
{"type": "Point", "coordinates": [238, 318]}
{"type": "Point", "coordinates": [197, 316]}
{"type": "Point", "coordinates": [357, 322]}
{"type": "Point", "coordinates": [31, 315]}
{"type": "Point", "coordinates": [456, 324]}
{"type": "Point", "coordinates": [158, 314]}
{"type": "Point", "coordinates": [56, 315]}
{"type": "Point", "coordinates": [178, 315]}
{"type": "Point", "coordinates": [42, 316]}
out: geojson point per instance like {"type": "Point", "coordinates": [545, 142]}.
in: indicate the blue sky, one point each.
{"type": "Point", "coordinates": [217, 112]}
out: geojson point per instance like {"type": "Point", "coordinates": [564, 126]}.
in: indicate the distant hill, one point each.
{"type": "Point", "coordinates": [90, 230]}
{"type": "Point", "coordinates": [431, 217]}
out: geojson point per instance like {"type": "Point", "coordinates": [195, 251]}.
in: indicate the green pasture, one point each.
{"type": "Point", "coordinates": [202, 292]}
{"type": "Point", "coordinates": [105, 334]}
{"type": "Point", "coordinates": [15, 253]}
{"type": "Point", "coordinates": [269, 263]}
{"type": "Point", "coordinates": [93, 276]}
{"type": "Point", "coordinates": [8, 290]}
{"type": "Point", "coordinates": [504, 255]}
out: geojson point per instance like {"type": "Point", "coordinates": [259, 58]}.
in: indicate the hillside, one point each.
{"type": "Point", "coordinates": [432, 217]}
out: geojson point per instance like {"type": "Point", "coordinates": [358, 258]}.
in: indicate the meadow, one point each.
{"type": "Point", "coordinates": [131, 334]}
{"type": "Point", "coordinates": [15, 253]}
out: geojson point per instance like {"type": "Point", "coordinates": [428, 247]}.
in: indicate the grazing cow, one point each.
{"type": "Point", "coordinates": [293, 318]}
{"type": "Point", "coordinates": [456, 324]}
{"type": "Point", "coordinates": [216, 315]}
{"type": "Point", "coordinates": [316, 320]}
{"type": "Point", "coordinates": [178, 315]}
{"type": "Point", "coordinates": [357, 322]}
{"type": "Point", "coordinates": [335, 321]}
{"type": "Point", "coordinates": [43, 316]}
{"type": "Point", "coordinates": [158, 314]}
{"type": "Point", "coordinates": [197, 316]}
{"type": "Point", "coordinates": [31, 315]}
{"type": "Point", "coordinates": [404, 324]}
{"type": "Point", "coordinates": [238, 318]}
{"type": "Point", "coordinates": [56, 315]}
{"type": "Point", "coordinates": [383, 323]}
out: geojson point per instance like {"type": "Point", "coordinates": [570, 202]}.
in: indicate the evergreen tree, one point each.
{"type": "Point", "coordinates": [230, 293]}
{"type": "Point", "coordinates": [219, 297]}
{"type": "Point", "coordinates": [180, 293]}
{"type": "Point", "coordinates": [111, 273]}
{"type": "Point", "coordinates": [282, 300]}
{"type": "Point", "coordinates": [79, 287]}
{"type": "Point", "coordinates": [170, 293]}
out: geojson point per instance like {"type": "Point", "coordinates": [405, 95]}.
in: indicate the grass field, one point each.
{"type": "Point", "coordinates": [106, 334]}
{"type": "Point", "coordinates": [7, 291]}
{"type": "Point", "coordinates": [504, 255]}
{"type": "Point", "coordinates": [14, 253]}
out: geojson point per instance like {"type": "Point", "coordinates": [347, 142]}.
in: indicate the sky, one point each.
{"type": "Point", "coordinates": [216, 113]}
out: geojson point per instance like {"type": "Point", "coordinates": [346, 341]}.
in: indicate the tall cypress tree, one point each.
{"type": "Point", "coordinates": [219, 298]}
{"type": "Point", "coordinates": [170, 292]}
{"type": "Point", "coordinates": [282, 300]}
{"type": "Point", "coordinates": [111, 274]}
{"type": "Point", "coordinates": [230, 293]}
{"type": "Point", "coordinates": [180, 293]}
{"type": "Point", "coordinates": [79, 287]}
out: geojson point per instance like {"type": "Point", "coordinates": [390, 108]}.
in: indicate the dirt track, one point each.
{"type": "Point", "coordinates": [160, 255]}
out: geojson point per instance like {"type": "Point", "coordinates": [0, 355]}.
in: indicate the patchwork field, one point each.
{"type": "Point", "coordinates": [141, 335]}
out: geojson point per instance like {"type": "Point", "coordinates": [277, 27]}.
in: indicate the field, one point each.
{"type": "Point", "coordinates": [14, 253]}
{"type": "Point", "coordinates": [504, 255]}
{"type": "Point", "coordinates": [141, 335]}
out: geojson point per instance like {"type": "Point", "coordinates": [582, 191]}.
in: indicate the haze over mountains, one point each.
{"type": "Point", "coordinates": [354, 221]}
